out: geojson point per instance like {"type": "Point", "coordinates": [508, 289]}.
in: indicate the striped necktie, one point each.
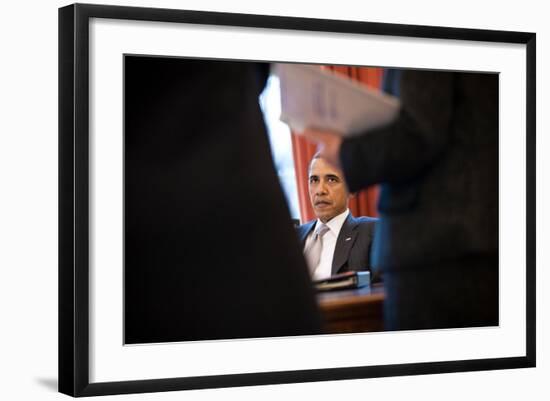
{"type": "Point", "coordinates": [313, 251]}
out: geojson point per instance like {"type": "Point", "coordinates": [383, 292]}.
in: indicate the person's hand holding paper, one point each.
{"type": "Point", "coordinates": [328, 143]}
{"type": "Point", "coordinates": [312, 97]}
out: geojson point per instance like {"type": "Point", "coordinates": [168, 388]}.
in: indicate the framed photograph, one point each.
{"type": "Point", "coordinates": [179, 263]}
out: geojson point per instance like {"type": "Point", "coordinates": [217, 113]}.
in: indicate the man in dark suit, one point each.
{"type": "Point", "coordinates": [346, 240]}
{"type": "Point", "coordinates": [437, 239]}
{"type": "Point", "coordinates": [200, 189]}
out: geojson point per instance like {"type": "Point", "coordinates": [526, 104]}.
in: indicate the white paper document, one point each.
{"type": "Point", "coordinates": [316, 98]}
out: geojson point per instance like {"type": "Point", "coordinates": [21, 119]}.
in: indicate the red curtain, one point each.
{"type": "Point", "coordinates": [364, 202]}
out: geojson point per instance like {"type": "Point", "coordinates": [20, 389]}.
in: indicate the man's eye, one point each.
{"type": "Point", "coordinates": [313, 179]}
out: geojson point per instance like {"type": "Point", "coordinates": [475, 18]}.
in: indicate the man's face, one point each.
{"type": "Point", "coordinates": [327, 190]}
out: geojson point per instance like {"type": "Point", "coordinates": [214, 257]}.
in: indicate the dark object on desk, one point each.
{"type": "Point", "coordinates": [200, 190]}
{"type": "Point", "coordinates": [343, 281]}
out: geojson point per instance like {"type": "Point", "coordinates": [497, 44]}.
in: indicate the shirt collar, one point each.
{"type": "Point", "coordinates": [336, 223]}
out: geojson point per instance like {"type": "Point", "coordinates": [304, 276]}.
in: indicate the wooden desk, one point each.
{"type": "Point", "coordinates": [352, 311]}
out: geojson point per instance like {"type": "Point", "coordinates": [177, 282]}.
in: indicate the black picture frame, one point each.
{"type": "Point", "coordinates": [74, 194]}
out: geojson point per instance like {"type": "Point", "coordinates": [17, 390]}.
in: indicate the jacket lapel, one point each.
{"type": "Point", "coordinates": [305, 230]}
{"type": "Point", "coordinates": [344, 242]}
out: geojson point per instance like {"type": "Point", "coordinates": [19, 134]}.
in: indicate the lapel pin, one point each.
{"type": "Point", "coordinates": [348, 238]}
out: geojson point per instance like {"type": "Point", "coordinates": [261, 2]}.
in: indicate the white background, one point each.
{"type": "Point", "coordinates": [28, 202]}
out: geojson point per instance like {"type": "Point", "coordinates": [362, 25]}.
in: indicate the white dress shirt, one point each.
{"type": "Point", "coordinates": [324, 268]}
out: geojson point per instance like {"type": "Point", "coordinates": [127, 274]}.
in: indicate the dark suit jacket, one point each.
{"type": "Point", "coordinates": [438, 166]}
{"type": "Point", "coordinates": [352, 252]}
{"type": "Point", "coordinates": [437, 238]}
{"type": "Point", "coordinates": [200, 190]}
